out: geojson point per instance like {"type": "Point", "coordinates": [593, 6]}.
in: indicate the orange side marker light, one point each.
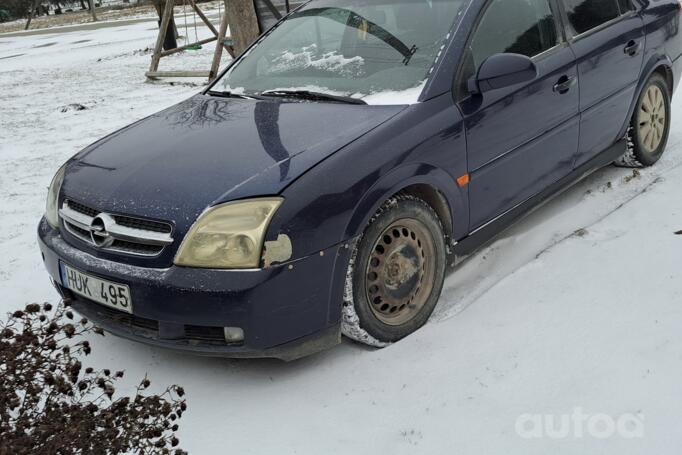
{"type": "Point", "coordinates": [463, 180]}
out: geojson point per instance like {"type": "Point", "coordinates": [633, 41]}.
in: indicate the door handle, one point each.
{"type": "Point", "coordinates": [564, 85]}
{"type": "Point", "coordinates": [632, 48]}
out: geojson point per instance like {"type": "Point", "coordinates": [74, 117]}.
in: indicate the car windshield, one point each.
{"type": "Point", "coordinates": [378, 51]}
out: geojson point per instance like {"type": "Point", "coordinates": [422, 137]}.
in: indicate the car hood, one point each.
{"type": "Point", "coordinates": [206, 150]}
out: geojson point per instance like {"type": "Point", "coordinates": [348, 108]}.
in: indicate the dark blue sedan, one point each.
{"type": "Point", "coordinates": [320, 186]}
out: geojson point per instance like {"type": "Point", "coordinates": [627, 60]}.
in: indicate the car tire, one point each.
{"type": "Point", "coordinates": [396, 273]}
{"type": "Point", "coordinates": [650, 125]}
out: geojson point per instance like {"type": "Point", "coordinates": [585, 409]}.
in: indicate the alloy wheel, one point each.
{"type": "Point", "coordinates": [652, 119]}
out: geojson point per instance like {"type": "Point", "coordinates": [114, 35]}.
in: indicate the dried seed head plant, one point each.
{"type": "Point", "coordinates": [51, 404]}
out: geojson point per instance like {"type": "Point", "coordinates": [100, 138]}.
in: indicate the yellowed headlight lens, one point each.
{"type": "Point", "coordinates": [228, 236]}
{"type": "Point", "coordinates": [51, 207]}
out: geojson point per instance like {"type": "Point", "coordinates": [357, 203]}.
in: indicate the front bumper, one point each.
{"type": "Point", "coordinates": [287, 311]}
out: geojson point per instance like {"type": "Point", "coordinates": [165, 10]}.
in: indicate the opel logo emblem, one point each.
{"type": "Point", "coordinates": [98, 230]}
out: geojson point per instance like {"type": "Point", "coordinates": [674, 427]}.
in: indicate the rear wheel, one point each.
{"type": "Point", "coordinates": [650, 125]}
{"type": "Point", "coordinates": [397, 272]}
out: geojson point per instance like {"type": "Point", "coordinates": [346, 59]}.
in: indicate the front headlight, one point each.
{"type": "Point", "coordinates": [228, 236]}
{"type": "Point", "coordinates": [52, 205]}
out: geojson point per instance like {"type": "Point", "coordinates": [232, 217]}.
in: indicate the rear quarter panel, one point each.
{"type": "Point", "coordinates": [663, 39]}
{"type": "Point", "coordinates": [663, 44]}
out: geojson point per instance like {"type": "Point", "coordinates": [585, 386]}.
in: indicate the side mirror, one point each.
{"type": "Point", "coordinates": [503, 70]}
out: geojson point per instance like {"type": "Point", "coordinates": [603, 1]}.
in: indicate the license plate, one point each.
{"type": "Point", "coordinates": [105, 292]}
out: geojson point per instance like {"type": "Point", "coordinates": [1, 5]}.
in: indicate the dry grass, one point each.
{"type": "Point", "coordinates": [78, 17]}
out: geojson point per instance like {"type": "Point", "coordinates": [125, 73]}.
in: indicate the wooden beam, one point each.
{"type": "Point", "coordinates": [182, 48]}
{"type": "Point", "coordinates": [215, 66]}
{"type": "Point", "coordinates": [203, 17]}
{"type": "Point", "coordinates": [155, 74]}
{"type": "Point", "coordinates": [206, 21]}
{"type": "Point", "coordinates": [248, 26]}
{"type": "Point", "coordinates": [275, 12]}
{"type": "Point", "coordinates": [165, 19]}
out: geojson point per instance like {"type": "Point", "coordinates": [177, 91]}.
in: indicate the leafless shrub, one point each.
{"type": "Point", "coordinates": [50, 403]}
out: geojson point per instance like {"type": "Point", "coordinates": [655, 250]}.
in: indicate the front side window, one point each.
{"type": "Point", "coordinates": [584, 15]}
{"type": "Point", "coordinates": [524, 27]}
{"type": "Point", "coordinates": [380, 51]}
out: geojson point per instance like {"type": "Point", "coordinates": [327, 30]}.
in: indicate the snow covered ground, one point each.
{"type": "Point", "coordinates": [577, 310]}
{"type": "Point", "coordinates": [104, 15]}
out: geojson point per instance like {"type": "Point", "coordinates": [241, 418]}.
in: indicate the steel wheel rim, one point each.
{"type": "Point", "coordinates": [652, 119]}
{"type": "Point", "coordinates": [400, 272]}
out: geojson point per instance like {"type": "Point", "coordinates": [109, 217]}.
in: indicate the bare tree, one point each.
{"type": "Point", "coordinates": [34, 5]}
{"type": "Point", "coordinates": [92, 9]}
{"type": "Point", "coordinates": [243, 23]}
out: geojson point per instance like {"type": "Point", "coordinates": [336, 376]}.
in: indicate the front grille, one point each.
{"type": "Point", "coordinates": [117, 233]}
{"type": "Point", "coordinates": [85, 210]}
{"type": "Point", "coordinates": [145, 225]}
{"type": "Point", "coordinates": [127, 319]}
{"type": "Point", "coordinates": [80, 233]}
{"type": "Point", "coordinates": [197, 332]}
{"type": "Point", "coordinates": [136, 248]}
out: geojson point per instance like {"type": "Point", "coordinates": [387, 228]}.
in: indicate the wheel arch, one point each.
{"type": "Point", "coordinates": [657, 64]}
{"type": "Point", "coordinates": [431, 184]}
{"type": "Point", "coordinates": [667, 72]}
{"type": "Point", "coordinates": [436, 200]}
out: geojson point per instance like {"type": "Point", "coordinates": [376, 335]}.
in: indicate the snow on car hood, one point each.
{"type": "Point", "coordinates": [205, 150]}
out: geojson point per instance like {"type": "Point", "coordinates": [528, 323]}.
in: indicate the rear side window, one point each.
{"type": "Point", "coordinates": [584, 15]}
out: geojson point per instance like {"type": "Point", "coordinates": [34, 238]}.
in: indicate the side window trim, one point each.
{"type": "Point", "coordinates": [603, 26]}
{"type": "Point", "coordinates": [544, 54]}
{"type": "Point", "coordinates": [571, 34]}
{"type": "Point", "coordinates": [460, 65]}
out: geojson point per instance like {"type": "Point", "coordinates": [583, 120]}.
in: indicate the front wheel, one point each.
{"type": "Point", "coordinates": [396, 274]}
{"type": "Point", "coordinates": [650, 125]}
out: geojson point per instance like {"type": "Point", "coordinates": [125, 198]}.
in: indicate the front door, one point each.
{"type": "Point", "coordinates": [523, 138]}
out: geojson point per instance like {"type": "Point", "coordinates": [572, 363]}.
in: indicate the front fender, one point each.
{"type": "Point", "coordinates": [331, 204]}
{"type": "Point", "coordinates": [333, 201]}
{"type": "Point", "coordinates": [403, 177]}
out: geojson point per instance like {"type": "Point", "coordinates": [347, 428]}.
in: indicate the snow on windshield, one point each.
{"type": "Point", "coordinates": [308, 58]}
{"type": "Point", "coordinates": [382, 53]}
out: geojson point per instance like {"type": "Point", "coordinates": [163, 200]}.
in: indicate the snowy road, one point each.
{"type": "Point", "coordinates": [577, 307]}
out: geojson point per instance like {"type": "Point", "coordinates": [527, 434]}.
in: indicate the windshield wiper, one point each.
{"type": "Point", "coordinates": [352, 19]}
{"type": "Point", "coordinates": [313, 96]}
{"type": "Point", "coordinates": [228, 94]}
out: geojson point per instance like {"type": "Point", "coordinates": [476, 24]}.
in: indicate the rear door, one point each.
{"type": "Point", "coordinates": [523, 138]}
{"type": "Point", "coordinates": [607, 37]}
